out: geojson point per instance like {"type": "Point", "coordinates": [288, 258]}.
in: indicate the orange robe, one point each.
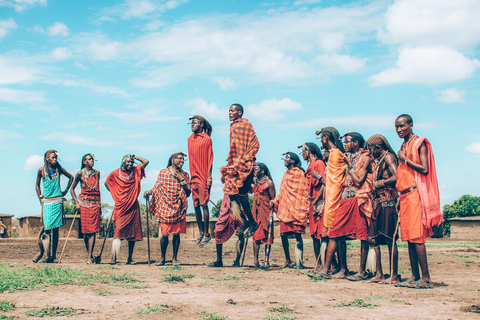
{"type": "Point", "coordinates": [420, 201]}
{"type": "Point", "coordinates": [334, 182]}
{"type": "Point", "coordinates": [291, 204]}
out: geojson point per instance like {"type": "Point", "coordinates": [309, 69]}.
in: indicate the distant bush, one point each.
{"type": "Point", "coordinates": [465, 206]}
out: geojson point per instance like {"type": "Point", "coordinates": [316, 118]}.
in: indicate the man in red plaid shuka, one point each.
{"type": "Point", "coordinates": [169, 204]}
{"type": "Point", "coordinates": [237, 177]}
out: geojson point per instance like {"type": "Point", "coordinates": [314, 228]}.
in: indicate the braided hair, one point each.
{"type": "Point", "coordinates": [356, 137]}
{"type": "Point", "coordinates": [264, 168]}
{"type": "Point", "coordinates": [380, 140]}
{"type": "Point", "coordinates": [207, 127]}
{"type": "Point", "coordinates": [314, 149]}
{"type": "Point", "coordinates": [46, 164]}
{"type": "Point", "coordinates": [296, 160]}
{"type": "Point", "coordinates": [176, 154]}
{"type": "Point", "coordinates": [334, 136]}
{"type": "Point", "coordinates": [82, 165]}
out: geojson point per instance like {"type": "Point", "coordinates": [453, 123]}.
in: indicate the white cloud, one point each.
{"type": "Point", "coordinates": [37, 29]}
{"type": "Point", "coordinates": [58, 28]}
{"type": "Point", "coordinates": [20, 96]}
{"type": "Point", "coordinates": [269, 46]}
{"type": "Point", "coordinates": [85, 83]}
{"type": "Point", "coordinates": [6, 26]}
{"type": "Point", "coordinates": [271, 110]}
{"type": "Point", "coordinates": [103, 51]}
{"type": "Point", "coordinates": [61, 53]}
{"type": "Point", "coordinates": [140, 9]}
{"type": "Point", "coordinates": [452, 95]}
{"type": "Point", "coordinates": [210, 111]}
{"type": "Point", "coordinates": [473, 148]}
{"type": "Point", "coordinates": [361, 121]}
{"type": "Point", "coordinates": [8, 135]}
{"type": "Point", "coordinates": [432, 23]}
{"type": "Point", "coordinates": [305, 2]}
{"type": "Point", "coordinates": [144, 115]}
{"type": "Point", "coordinates": [341, 63]}
{"type": "Point", "coordinates": [13, 70]}
{"type": "Point", "coordinates": [429, 65]}
{"type": "Point", "coordinates": [75, 138]}
{"type": "Point", "coordinates": [150, 178]}
{"type": "Point", "coordinates": [33, 162]}
{"type": "Point", "coordinates": [21, 5]}
{"type": "Point", "coordinates": [224, 82]}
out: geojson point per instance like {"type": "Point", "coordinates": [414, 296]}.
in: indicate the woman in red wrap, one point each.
{"type": "Point", "coordinates": [124, 186]}
{"type": "Point", "coordinates": [263, 191]}
{"type": "Point", "coordinates": [88, 202]}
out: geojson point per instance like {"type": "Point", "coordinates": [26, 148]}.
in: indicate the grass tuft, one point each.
{"type": "Point", "coordinates": [359, 303]}
{"type": "Point", "coordinates": [177, 278]}
{"type": "Point", "coordinates": [211, 315]}
{"type": "Point", "coordinates": [103, 293]}
{"type": "Point", "coordinates": [283, 309]}
{"type": "Point", "coordinates": [227, 278]}
{"type": "Point", "coordinates": [157, 309]}
{"type": "Point", "coordinates": [6, 306]}
{"type": "Point", "coordinates": [52, 312]}
{"type": "Point", "coordinates": [275, 317]}
{"type": "Point", "coordinates": [172, 268]}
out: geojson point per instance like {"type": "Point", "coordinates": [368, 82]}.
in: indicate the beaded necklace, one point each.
{"type": "Point", "coordinates": [261, 180]}
{"type": "Point", "coordinates": [123, 177]}
{"type": "Point", "coordinates": [86, 174]}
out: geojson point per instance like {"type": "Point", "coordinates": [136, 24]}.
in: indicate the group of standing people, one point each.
{"type": "Point", "coordinates": [355, 189]}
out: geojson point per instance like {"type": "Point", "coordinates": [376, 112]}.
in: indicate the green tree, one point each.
{"type": "Point", "coordinates": [465, 206]}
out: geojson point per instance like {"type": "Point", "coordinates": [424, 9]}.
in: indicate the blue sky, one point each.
{"type": "Point", "coordinates": [118, 77]}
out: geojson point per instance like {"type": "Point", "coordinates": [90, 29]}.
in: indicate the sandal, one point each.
{"type": "Point", "coordinates": [319, 274]}
{"type": "Point", "coordinates": [205, 241]}
{"type": "Point", "coordinates": [160, 263]}
{"type": "Point", "coordinates": [198, 241]}
{"type": "Point", "coordinates": [357, 277]}
{"type": "Point", "coordinates": [216, 264]}
{"type": "Point", "coordinates": [131, 262]}
{"type": "Point", "coordinates": [175, 263]}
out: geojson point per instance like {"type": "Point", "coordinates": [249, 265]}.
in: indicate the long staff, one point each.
{"type": "Point", "coordinates": [68, 235]}
{"type": "Point", "coordinates": [98, 258]}
{"type": "Point", "coordinates": [269, 238]}
{"type": "Point", "coordinates": [394, 241]}
{"type": "Point", "coordinates": [148, 232]}
{"type": "Point", "coordinates": [244, 251]}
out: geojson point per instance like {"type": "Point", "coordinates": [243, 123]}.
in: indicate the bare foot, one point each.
{"type": "Point", "coordinates": [339, 275]}
{"type": "Point", "coordinates": [376, 279]}
{"type": "Point", "coordinates": [287, 264]}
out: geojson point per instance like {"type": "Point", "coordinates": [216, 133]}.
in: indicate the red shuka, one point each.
{"type": "Point", "coordinates": [126, 212]}
{"type": "Point", "coordinates": [200, 156]}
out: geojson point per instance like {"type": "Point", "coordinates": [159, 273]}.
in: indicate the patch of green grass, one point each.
{"type": "Point", "coordinates": [132, 286]}
{"type": "Point", "coordinates": [172, 268]}
{"type": "Point", "coordinates": [138, 273]}
{"type": "Point", "coordinates": [103, 293]}
{"type": "Point", "coordinates": [318, 278]}
{"type": "Point", "coordinates": [12, 280]}
{"type": "Point", "coordinates": [396, 300]}
{"type": "Point", "coordinates": [376, 297]}
{"type": "Point", "coordinates": [358, 303]}
{"type": "Point", "coordinates": [156, 309]}
{"type": "Point", "coordinates": [108, 268]}
{"type": "Point", "coordinates": [177, 278]}
{"type": "Point", "coordinates": [4, 317]}
{"type": "Point", "coordinates": [211, 315]}
{"type": "Point", "coordinates": [227, 278]}
{"type": "Point", "coordinates": [52, 312]}
{"type": "Point", "coordinates": [274, 317]}
{"type": "Point", "coordinates": [6, 306]}
{"type": "Point", "coordinates": [12, 265]}
{"type": "Point", "coordinates": [404, 272]}
{"type": "Point", "coordinates": [283, 309]}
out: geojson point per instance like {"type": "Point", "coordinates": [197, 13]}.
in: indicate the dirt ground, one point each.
{"type": "Point", "coordinates": [248, 293]}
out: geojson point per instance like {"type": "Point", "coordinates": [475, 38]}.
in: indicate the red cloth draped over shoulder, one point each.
{"type": "Point", "coordinates": [364, 193]}
{"type": "Point", "coordinates": [291, 204]}
{"type": "Point", "coordinates": [200, 157]}
{"type": "Point", "coordinates": [244, 146]}
{"type": "Point", "coordinates": [334, 182]}
{"type": "Point", "coordinates": [315, 185]}
{"type": "Point", "coordinates": [169, 201]}
{"type": "Point", "coordinates": [126, 212]}
{"type": "Point", "coordinates": [261, 212]}
{"type": "Point", "coordinates": [427, 185]}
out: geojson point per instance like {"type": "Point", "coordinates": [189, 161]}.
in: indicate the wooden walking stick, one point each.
{"type": "Point", "coordinates": [214, 204]}
{"type": "Point", "coordinates": [148, 231]}
{"type": "Point", "coordinates": [68, 235]}
{"type": "Point", "coordinates": [98, 258]}
{"type": "Point", "coordinates": [244, 251]}
{"type": "Point", "coordinates": [269, 240]}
